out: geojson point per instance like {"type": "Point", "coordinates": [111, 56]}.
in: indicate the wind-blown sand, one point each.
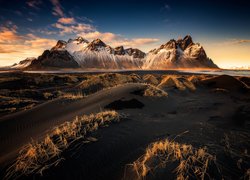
{"type": "Point", "coordinates": [207, 115]}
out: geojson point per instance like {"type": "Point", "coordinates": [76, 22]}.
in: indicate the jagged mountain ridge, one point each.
{"type": "Point", "coordinates": [183, 53]}
{"type": "Point", "coordinates": [80, 53]}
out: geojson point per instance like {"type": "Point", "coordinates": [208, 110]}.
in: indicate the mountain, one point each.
{"type": "Point", "coordinates": [80, 53]}
{"type": "Point", "coordinates": [97, 54]}
{"type": "Point", "coordinates": [183, 53]}
{"type": "Point", "coordinates": [23, 64]}
{"type": "Point", "coordinates": [54, 59]}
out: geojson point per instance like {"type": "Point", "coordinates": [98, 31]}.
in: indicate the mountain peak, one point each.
{"type": "Point", "coordinates": [183, 53]}
{"type": "Point", "coordinates": [98, 42]}
{"type": "Point", "coordinates": [136, 53]}
{"type": "Point", "coordinates": [79, 40]}
{"type": "Point", "coordinates": [119, 50]}
{"type": "Point", "coordinates": [185, 42]}
{"type": "Point", "coordinates": [96, 45]}
{"type": "Point", "coordinates": [59, 45]}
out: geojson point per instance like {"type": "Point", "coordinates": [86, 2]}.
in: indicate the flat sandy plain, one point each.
{"type": "Point", "coordinates": [204, 111]}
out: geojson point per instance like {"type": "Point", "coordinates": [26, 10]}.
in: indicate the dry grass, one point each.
{"type": "Point", "coordinates": [13, 104]}
{"type": "Point", "coordinates": [171, 81]}
{"type": "Point", "coordinates": [177, 82]}
{"type": "Point", "coordinates": [188, 161]}
{"type": "Point", "coordinates": [73, 96]}
{"type": "Point", "coordinates": [152, 91]}
{"type": "Point", "coordinates": [150, 79]}
{"type": "Point", "coordinates": [47, 95]}
{"type": "Point", "coordinates": [8, 79]}
{"type": "Point", "coordinates": [38, 156]}
{"type": "Point", "coordinates": [107, 80]}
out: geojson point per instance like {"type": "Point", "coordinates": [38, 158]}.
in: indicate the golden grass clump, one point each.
{"type": "Point", "coordinates": [176, 82]}
{"type": "Point", "coordinates": [73, 96]}
{"type": "Point", "coordinates": [38, 156]}
{"type": "Point", "coordinates": [47, 95]}
{"type": "Point", "coordinates": [188, 161]}
{"type": "Point", "coordinates": [153, 91]}
{"type": "Point", "coordinates": [171, 81]}
{"type": "Point", "coordinates": [108, 80]}
{"type": "Point", "coordinates": [150, 79]}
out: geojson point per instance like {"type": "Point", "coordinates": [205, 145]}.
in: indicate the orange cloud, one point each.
{"type": "Point", "coordinates": [4, 50]}
{"type": "Point", "coordinates": [9, 35]}
{"type": "Point", "coordinates": [73, 29]}
{"type": "Point", "coordinates": [15, 47]}
{"type": "Point", "coordinates": [64, 20]}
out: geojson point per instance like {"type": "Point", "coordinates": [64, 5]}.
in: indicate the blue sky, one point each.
{"type": "Point", "coordinates": [222, 27]}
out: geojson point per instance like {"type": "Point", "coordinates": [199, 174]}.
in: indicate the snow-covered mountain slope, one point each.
{"type": "Point", "coordinates": [99, 55]}
{"type": "Point", "coordinates": [77, 44]}
{"type": "Point", "coordinates": [23, 64]}
{"type": "Point", "coordinates": [79, 53]}
{"type": "Point", "coordinates": [183, 53]}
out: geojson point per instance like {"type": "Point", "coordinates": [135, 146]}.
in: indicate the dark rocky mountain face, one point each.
{"type": "Point", "coordinates": [54, 59]}
{"type": "Point", "coordinates": [119, 50]}
{"type": "Point", "coordinates": [59, 45]}
{"type": "Point", "coordinates": [185, 42]}
{"type": "Point", "coordinates": [136, 53]}
{"type": "Point", "coordinates": [96, 45]}
{"type": "Point", "coordinates": [78, 40]}
{"type": "Point", "coordinates": [27, 60]}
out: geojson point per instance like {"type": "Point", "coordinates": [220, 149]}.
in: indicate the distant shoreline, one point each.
{"type": "Point", "coordinates": [187, 72]}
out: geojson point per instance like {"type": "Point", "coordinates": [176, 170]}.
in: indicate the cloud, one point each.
{"type": "Point", "coordinates": [57, 9]}
{"type": "Point", "coordinates": [15, 47]}
{"type": "Point", "coordinates": [234, 42]}
{"type": "Point", "coordinates": [166, 6]}
{"type": "Point", "coordinates": [141, 41]}
{"type": "Point", "coordinates": [34, 3]}
{"type": "Point", "coordinates": [7, 51]}
{"type": "Point", "coordinates": [65, 20]}
{"type": "Point", "coordinates": [9, 35]}
{"type": "Point", "coordinates": [240, 41]}
{"type": "Point", "coordinates": [29, 19]}
{"type": "Point", "coordinates": [73, 29]}
{"type": "Point", "coordinates": [117, 40]}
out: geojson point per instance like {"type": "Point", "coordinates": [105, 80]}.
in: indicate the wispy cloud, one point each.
{"type": "Point", "coordinates": [234, 42]}
{"type": "Point", "coordinates": [73, 29]}
{"type": "Point", "coordinates": [34, 3]}
{"type": "Point", "coordinates": [166, 6]}
{"type": "Point", "coordinates": [240, 41]}
{"type": "Point", "coordinates": [29, 19]}
{"type": "Point", "coordinates": [57, 8]}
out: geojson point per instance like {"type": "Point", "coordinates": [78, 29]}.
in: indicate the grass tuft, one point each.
{"type": "Point", "coordinates": [73, 96]}
{"type": "Point", "coordinates": [187, 161]}
{"type": "Point", "coordinates": [38, 156]}
{"type": "Point", "coordinates": [153, 91]}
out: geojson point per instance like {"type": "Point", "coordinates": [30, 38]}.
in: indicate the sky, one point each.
{"type": "Point", "coordinates": [222, 27]}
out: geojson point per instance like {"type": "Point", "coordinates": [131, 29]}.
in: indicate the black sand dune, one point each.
{"type": "Point", "coordinates": [121, 144]}
{"type": "Point", "coordinates": [19, 128]}
{"type": "Point", "coordinates": [206, 117]}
